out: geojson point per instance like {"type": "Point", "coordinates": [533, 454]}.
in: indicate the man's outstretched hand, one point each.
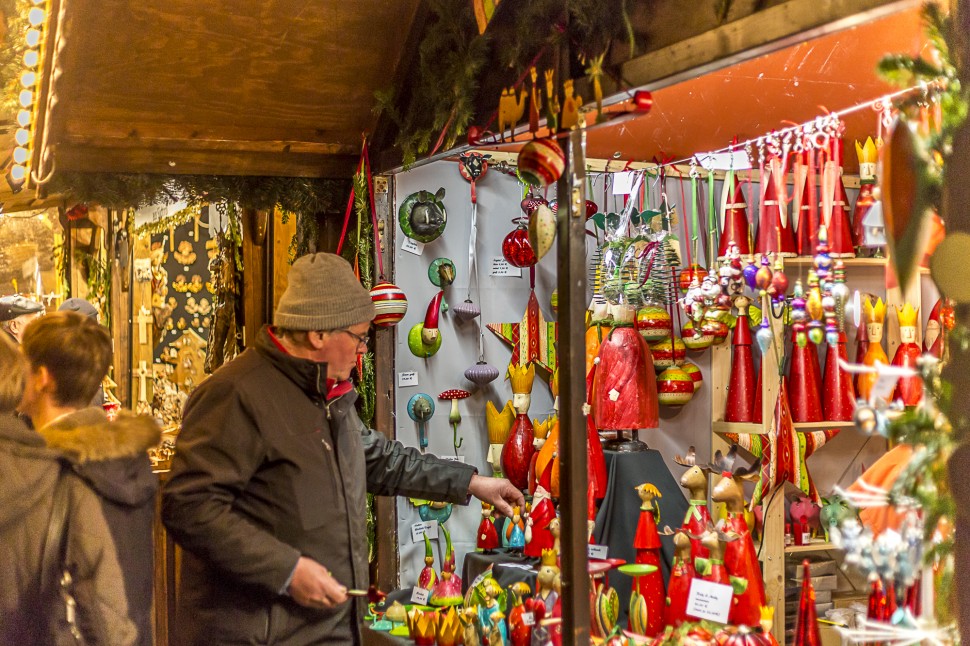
{"type": "Point", "coordinates": [498, 492]}
{"type": "Point", "coordinates": [313, 587]}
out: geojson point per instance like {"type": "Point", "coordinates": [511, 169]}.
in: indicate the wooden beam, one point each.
{"type": "Point", "coordinates": [755, 35]}
{"type": "Point", "coordinates": [255, 284]}
{"type": "Point", "coordinates": [192, 162]}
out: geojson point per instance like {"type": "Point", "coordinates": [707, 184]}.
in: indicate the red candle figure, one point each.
{"type": "Point", "coordinates": [908, 389]}
{"type": "Point", "coordinates": [647, 544]}
{"type": "Point", "coordinates": [740, 556]}
{"type": "Point", "coordinates": [681, 574]}
{"type": "Point", "coordinates": [740, 399]}
{"type": "Point", "coordinates": [940, 321]}
{"type": "Point", "coordinates": [734, 218]}
{"type": "Point", "coordinates": [874, 315]}
{"type": "Point", "coordinates": [487, 539]}
{"type": "Point", "coordinates": [806, 630]}
{"type": "Point", "coordinates": [518, 450]}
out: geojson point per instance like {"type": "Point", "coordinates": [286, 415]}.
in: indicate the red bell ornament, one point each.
{"type": "Point", "coordinates": [541, 162]}
{"type": "Point", "coordinates": [624, 385]}
{"type": "Point", "coordinates": [516, 247]}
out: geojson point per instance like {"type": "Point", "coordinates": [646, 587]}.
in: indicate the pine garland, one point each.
{"type": "Point", "coordinates": [97, 273]}
{"type": "Point", "coordinates": [162, 225]}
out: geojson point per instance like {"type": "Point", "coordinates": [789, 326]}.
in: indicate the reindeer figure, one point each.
{"type": "Point", "coordinates": [695, 481]}
{"type": "Point", "coordinates": [681, 574]}
{"type": "Point", "coordinates": [740, 554]}
{"type": "Point", "coordinates": [712, 568]}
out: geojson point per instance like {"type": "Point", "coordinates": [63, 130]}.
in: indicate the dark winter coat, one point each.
{"type": "Point", "coordinates": [112, 457]}
{"type": "Point", "coordinates": [267, 469]}
{"type": "Point", "coordinates": [30, 472]}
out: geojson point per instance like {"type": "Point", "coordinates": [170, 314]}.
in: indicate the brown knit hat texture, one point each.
{"type": "Point", "coordinates": [322, 293]}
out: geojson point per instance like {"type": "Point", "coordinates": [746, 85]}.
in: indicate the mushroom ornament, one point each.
{"type": "Point", "coordinates": [454, 417]}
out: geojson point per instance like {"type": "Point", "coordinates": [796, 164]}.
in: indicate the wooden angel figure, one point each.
{"type": "Point", "coordinates": [518, 450]}
{"type": "Point", "coordinates": [546, 579]}
{"type": "Point", "coordinates": [681, 574]}
{"type": "Point", "coordinates": [908, 389]}
{"type": "Point", "coordinates": [647, 544]}
{"type": "Point", "coordinates": [874, 314]}
{"type": "Point", "coordinates": [514, 536]}
{"type": "Point", "coordinates": [520, 629]}
{"type": "Point", "coordinates": [698, 518]}
{"type": "Point", "coordinates": [538, 537]}
{"type": "Point", "coordinates": [487, 539]}
{"type": "Point", "coordinates": [740, 555]}
{"type": "Point", "coordinates": [490, 606]}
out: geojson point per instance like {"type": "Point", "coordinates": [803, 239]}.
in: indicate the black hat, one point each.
{"type": "Point", "coordinates": [80, 306]}
{"type": "Point", "coordinates": [13, 306]}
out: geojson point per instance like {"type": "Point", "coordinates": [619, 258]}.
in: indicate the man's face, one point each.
{"type": "Point", "coordinates": [340, 348]}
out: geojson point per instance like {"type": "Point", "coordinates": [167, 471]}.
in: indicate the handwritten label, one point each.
{"type": "Point", "coordinates": [502, 269]}
{"type": "Point", "coordinates": [407, 378]}
{"type": "Point", "coordinates": [708, 600]}
{"type": "Point", "coordinates": [597, 552]}
{"type": "Point", "coordinates": [413, 246]}
{"type": "Point", "coordinates": [418, 530]}
{"type": "Point", "coordinates": [884, 386]}
{"type": "Point", "coordinates": [623, 183]}
{"type": "Point", "coordinates": [528, 619]}
{"type": "Point", "coordinates": [420, 596]}
{"type": "Point", "coordinates": [453, 458]}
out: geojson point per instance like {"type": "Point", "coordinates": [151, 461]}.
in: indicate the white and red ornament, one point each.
{"type": "Point", "coordinates": [390, 303]}
{"type": "Point", "coordinates": [541, 162]}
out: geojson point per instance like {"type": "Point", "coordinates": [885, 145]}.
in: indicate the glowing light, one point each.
{"type": "Point", "coordinates": [23, 118]}
{"type": "Point", "coordinates": [26, 98]}
{"type": "Point", "coordinates": [33, 37]}
{"type": "Point", "coordinates": [27, 79]}
{"type": "Point", "coordinates": [36, 16]}
{"type": "Point", "coordinates": [22, 136]}
{"type": "Point", "coordinates": [18, 173]}
{"type": "Point", "coordinates": [20, 155]}
{"type": "Point", "coordinates": [31, 58]}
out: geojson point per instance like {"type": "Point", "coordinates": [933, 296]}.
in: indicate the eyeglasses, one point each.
{"type": "Point", "coordinates": [361, 339]}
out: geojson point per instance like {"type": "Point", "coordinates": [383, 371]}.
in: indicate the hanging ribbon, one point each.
{"type": "Point", "coordinates": [363, 166]}
{"type": "Point", "coordinates": [711, 221]}
{"type": "Point", "coordinates": [695, 222]}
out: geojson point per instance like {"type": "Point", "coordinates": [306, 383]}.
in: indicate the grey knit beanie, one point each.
{"type": "Point", "coordinates": [322, 293]}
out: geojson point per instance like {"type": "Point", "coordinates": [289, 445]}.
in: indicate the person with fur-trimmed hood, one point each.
{"type": "Point", "coordinates": [32, 473]}
{"type": "Point", "coordinates": [68, 355]}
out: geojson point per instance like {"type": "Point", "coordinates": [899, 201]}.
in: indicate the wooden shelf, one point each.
{"type": "Point", "coordinates": [821, 426]}
{"type": "Point", "coordinates": [848, 262]}
{"type": "Point", "coordinates": [820, 546]}
{"type": "Point", "coordinates": [721, 427]}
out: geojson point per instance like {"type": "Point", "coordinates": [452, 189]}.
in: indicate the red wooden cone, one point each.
{"type": "Point", "coordinates": [807, 222]}
{"type": "Point", "coordinates": [517, 452]}
{"type": "Point", "coordinates": [740, 400]}
{"type": "Point", "coordinates": [840, 233]}
{"type": "Point", "coordinates": [805, 383]}
{"type": "Point", "coordinates": [774, 230]}
{"type": "Point", "coordinates": [806, 631]}
{"type": "Point", "coordinates": [838, 394]}
{"type": "Point", "coordinates": [757, 417]}
{"type": "Point", "coordinates": [735, 226]}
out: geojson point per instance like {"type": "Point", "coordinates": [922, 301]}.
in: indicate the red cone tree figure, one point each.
{"type": "Point", "coordinates": [806, 631]}
{"type": "Point", "coordinates": [647, 544]}
{"type": "Point", "coordinates": [740, 400]}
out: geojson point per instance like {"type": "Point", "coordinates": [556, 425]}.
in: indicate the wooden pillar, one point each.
{"type": "Point", "coordinates": [256, 288]}
{"type": "Point", "coordinates": [121, 315]}
{"type": "Point", "coordinates": [142, 331]}
{"type": "Point", "coordinates": [572, 390]}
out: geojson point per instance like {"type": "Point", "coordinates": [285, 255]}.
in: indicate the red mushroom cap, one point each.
{"type": "Point", "coordinates": [455, 393]}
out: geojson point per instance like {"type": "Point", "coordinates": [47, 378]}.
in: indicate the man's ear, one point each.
{"type": "Point", "coordinates": [44, 380]}
{"type": "Point", "coordinates": [317, 339]}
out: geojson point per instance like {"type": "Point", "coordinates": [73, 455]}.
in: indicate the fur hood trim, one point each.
{"type": "Point", "coordinates": [88, 436]}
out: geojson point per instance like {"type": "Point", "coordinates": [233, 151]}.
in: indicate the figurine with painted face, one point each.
{"type": "Point", "coordinates": [546, 579]}
{"type": "Point", "coordinates": [874, 315]}
{"type": "Point", "coordinates": [487, 535]}
{"type": "Point", "coordinates": [908, 389]}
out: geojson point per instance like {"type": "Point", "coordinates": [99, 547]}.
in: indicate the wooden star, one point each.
{"type": "Point", "coordinates": [783, 453]}
{"type": "Point", "coordinates": [532, 339]}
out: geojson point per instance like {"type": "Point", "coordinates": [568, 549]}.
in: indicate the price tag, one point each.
{"type": "Point", "coordinates": [418, 530]}
{"type": "Point", "coordinates": [502, 269]}
{"type": "Point", "coordinates": [884, 386]}
{"type": "Point", "coordinates": [528, 619]}
{"type": "Point", "coordinates": [623, 183]}
{"type": "Point", "coordinates": [597, 552]}
{"type": "Point", "coordinates": [407, 378]}
{"type": "Point", "coordinates": [420, 596]}
{"type": "Point", "coordinates": [413, 246]}
{"type": "Point", "coordinates": [708, 600]}
{"type": "Point", "coordinates": [453, 458]}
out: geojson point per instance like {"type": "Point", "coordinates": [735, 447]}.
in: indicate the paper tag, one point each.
{"type": "Point", "coordinates": [884, 386]}
{"type": "Point", "coordinates": [418, 530]}
{"type": "Point", "coordinates": [413, 246]}
{"type": "Point", "coordinates": [738, 160]}
{"type": "Point", "coordinates": [420, 596]}
{"type": "Point", "coordinates": [597, 552]}
{"type": "Point", "coordinates": [407, 378]}
{"type": "Point", "coordinates": [709, 600]}
{"type": "Point", "coordinates": [528, 619]}
{"type": "Point", "coordinates": [623, 183]}
{"type": "Point", "coordinates": [453, 458]}
{"type": "Point", "coordinates": [614, 395]}
{"type": "Point", "coordinates": [502, 269]}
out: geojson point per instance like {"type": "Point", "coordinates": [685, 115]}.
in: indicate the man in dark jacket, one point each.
{"type": "Point", "coordinates": [68, 356]}
{"type": "Point", "coordinates": [267, 493]}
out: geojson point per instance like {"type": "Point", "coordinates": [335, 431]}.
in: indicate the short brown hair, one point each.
{"type": "Point", "coordinates": [13, 375]}
{"type": "Point", "coordinates": [76, 352]}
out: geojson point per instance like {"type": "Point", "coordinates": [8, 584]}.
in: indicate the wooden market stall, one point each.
{"type": "Point", "coordinates": [249, 120]}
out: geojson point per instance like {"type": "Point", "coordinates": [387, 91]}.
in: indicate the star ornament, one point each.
{"type": "Point", "coordinates": [532, 339]}
{"type": "Point", "coordinates": [783, 453]}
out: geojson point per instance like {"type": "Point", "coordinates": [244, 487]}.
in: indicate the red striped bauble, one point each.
{"type": "Point", "coordinates": [694, 373]}
{"type": "Point", "coordinates": [390, 302]}
{"type": "Point", "coordinates": [674, 387]}
{"type": "Point", "coordinates": [541, 162]}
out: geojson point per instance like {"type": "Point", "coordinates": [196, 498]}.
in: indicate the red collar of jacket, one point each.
{"type": "Point", "coordinates": [334, 388]}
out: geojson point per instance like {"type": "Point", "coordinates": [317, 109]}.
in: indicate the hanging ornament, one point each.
{"type": "Point", "coordinates": [532, 338]}
{"type": "Point", "coordinates": [424, 339]}
{"type": "Point", "coordinates": [832, 204]}
{"type": "Point", "coordinates": [674, 387]}
{"type": "Point", "coordinates": [420, 410]}
{"type": "Point", "coordinates": [541, 162]}
{"type": "Point", "coordinates": [734, 217]}
{"type": "Point", "coordinates": [695, 374]}
{"type": "Point", "coordinates": [750, 273]}
{"type": "Point", "coordinates": [390, 304]}
{"type": "Point", "coordinates": [473, 167]}
{"type": "Point", "coordinates": [643, 101]}
{"type": "Point", "coordinates": [762, 279]}
{"type": "Point", "coordinates": [667, 353]}
{"type": "Point", "coordinates": [654, 323]}
{"type": "Point", "coordinates": [779, 282]}
{"type": "Point", "coordinates": [687, 275]}
{"type": "Point", "coordinates": [481, 373]}
{"type": "Point", "coordinates": [542, 230]}
{"type": "Point", "coordinates": [466, 311]}
{"type": "Point", "coordinates": [516, 247]}
{"type": "Point", "coordinates": [774, 229]}
{"type": "Point", "coordinates": [698, 338]}
{"type": "Point", "coordinates": [764, 335]}
{"type": "Point", "coordinates": [422, 215]}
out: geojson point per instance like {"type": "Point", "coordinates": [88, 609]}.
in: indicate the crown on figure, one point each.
{"type": "Point", "coordinates": [550, 558]}
{"type": "Point", "coordinates": [907, 315]}
{"type": "Point", "coordinates": [868, 153]}
{"type": "Point", "coordinates": [873, 312]}
{"type": "Point", "coordinates": [522, 378]}
{"type": "Point", "coordinates": [499, 423]}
